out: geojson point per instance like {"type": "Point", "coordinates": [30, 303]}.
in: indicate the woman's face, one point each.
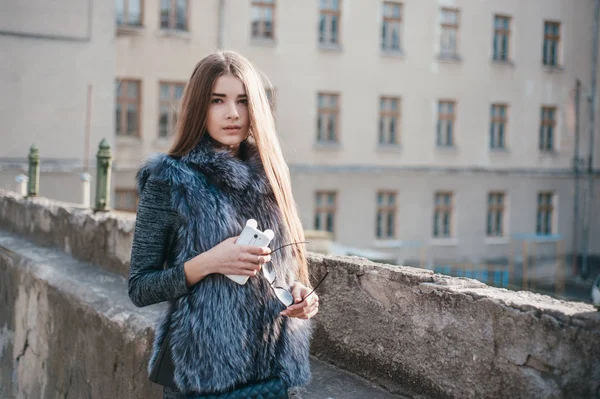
{"type": "Point", "coordinates": [228, 120]}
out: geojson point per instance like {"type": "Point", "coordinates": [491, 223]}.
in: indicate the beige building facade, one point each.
{"type": "Point", "coordinates": [56, 80]}
{"type": "Point", "coordinates": [429, 130]}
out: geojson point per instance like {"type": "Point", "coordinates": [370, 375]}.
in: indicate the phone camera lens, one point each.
{"type": "Point", "coordinates": [255, 235]}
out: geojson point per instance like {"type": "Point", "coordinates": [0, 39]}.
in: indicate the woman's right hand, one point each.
{"type": "Point", "coordinates": [227, 257]}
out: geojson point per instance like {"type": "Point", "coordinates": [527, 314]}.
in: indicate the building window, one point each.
{"type": "Point", "coordinates": [329, 22]}
{"type": "Point", "coordinates": [170, 95]}
{"type": "Point", "coordinates": [386, 215]}
{"type": "Point", "coordinates": [501, 37]}
{"type": "Point", "coordinates": [174, 14]}
{"type": "Point", "coordinates": [547, 128]}
{"type": "Point", "coordinates": [128, 107]}
{"type": "Point", "coordinates": [129, 12]}
{"type": "Point", "coordinates": [445, 125]}
{"type": "Point", "coordinates": [325, 210]}
{"type": "Point", "coordinates": [263, 15]}
{"type": "Point", "coordinates": [270, 92]}
{"type": "Point", "coordinates": [442, 215]}
{"type": "Point", "coordinates": [551, 42]}
{"type": "Point", "coordinates": [392, 26]}
{"type": "Point", "coordinates": [389, 118]}
{"type": "Point", "coordinates": [126, 199]}
{"type": "Point", "coordinates": [545, 209]}
{"type": "Point", "coordinates": [327, 122]}
{"type": "Point", "coordinates": [495, 216]}
{"type": "Point", "coordinates": [498, 127]}
{"type": "Point", "coordinates": [449, 34]}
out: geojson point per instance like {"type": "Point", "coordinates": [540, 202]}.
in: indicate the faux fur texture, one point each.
{"type": "Point", "coordinates": [224, 333]}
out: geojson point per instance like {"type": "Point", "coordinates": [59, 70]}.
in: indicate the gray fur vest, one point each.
{"type": "Point", "coordinates": [223, 333]}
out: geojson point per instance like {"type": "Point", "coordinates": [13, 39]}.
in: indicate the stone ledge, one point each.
{"type": "Point", "coordinates": [415, 332]}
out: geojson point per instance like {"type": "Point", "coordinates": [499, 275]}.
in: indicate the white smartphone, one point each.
{"type": "Point", "coordinates": [251, 236]}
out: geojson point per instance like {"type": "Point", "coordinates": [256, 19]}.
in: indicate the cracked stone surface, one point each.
{"type": "Point", "coordinates": [413, 332]}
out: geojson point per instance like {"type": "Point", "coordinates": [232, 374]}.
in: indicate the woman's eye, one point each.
{"type": "Point", "coordinates": [243, 101]}
{"type": "Point", "coordinates": [216, 100]}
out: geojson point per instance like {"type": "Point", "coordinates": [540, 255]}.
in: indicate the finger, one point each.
{"type": "Point", "coordinates": [256, 250]}
{"type": "Point", "coordinates": [297, 293]}
{"type": "Point", "coordinates": [250, 260]}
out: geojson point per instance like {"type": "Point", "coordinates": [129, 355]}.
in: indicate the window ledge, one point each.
{"type": "Point", "coordinates": [263, 42]}
{"type": "Point", "coordinates": [447, 149]}
{"type": "Point", "coordinates": [496, 240]}
{"type": "Point", "coordinates": [449, 58]}
{"type": "Point", "coordinates": [499, 151]}
{"type": "Point", "coordinates": [392, 243]}
{"type": "Point", "coordinates": [162, 141]}
{"type": "Point", "coordinates": [330, 47]}
{"type": "Point", "coordinates": [386, 243]}
{"type": "Point", "coordinates": [391, 53]}
{"type": "Point", "coordinates": [324, 145]}
{"type": "Point", "coordinates": [553, 68]}
{"type": "Point", "coordinates": [548, 153]}
{"type": "Point", "coordinates": [444, 242]}
{"type": "Point", "coordinates": [503, 63]}
{"type": "Point", "coordinates": [128, 140]}
{"type": "Point", "coordinates": [130, 30]}
{"type": "Point", "coordinates": [389, 147]}
{"type": "Point", "coordinates": [180, 34]}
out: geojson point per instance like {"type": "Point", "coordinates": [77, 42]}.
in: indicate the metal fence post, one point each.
{"type": "Point", "coordinates": [103, 167]}
{"type": "Point", "coordinates": [34, 172]}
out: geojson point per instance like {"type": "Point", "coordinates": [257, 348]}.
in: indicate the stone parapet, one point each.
{"type": "Point", "coordinates": [412, 331]}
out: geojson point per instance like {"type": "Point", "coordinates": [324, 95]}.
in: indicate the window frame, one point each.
{"type": "Point", "coordinates": [446, 117]}
{"type": "Point", "coordinates": [326, 111]}
{"type": "Point", "coordinates": [393, 21]}
{"type": "Point", "coordinates": [173, 18]}
{"type": "Point", "coordinates": [445, 27]}
{"type": "Point", "coordinates": [441, 209]}
{"type": "Point", "coordinates": [173, 109]}
{"type": "Point", "coordinates": [126, 23]}
{"type": "Point", "coordinates": [501, 33]}
{"type": "Point", "coordinates": [327, 12]}
{"type": "Point", "coordinates": [545, 209]}
{"type": "Point", "coordinates": [492, 211]}
{"type": "Point", "coordinates": [382, 214]}
{"type": "Point", "coordinates": [551, 38]}
{"type": "Point", "coordinates": [497, 120]}
{"type": "Point", "coordinates": [547, 126]}
{"type": "Point", "coordinates": [262, 5]}
{"type": "Point", "coordinates": [385, 115]}
{"type": "Point", "coordinates": [127, 190]}
{"type": "Point", "coordinates": [127, 100]}
{"type": "Point", "coordinates": [325, 209]}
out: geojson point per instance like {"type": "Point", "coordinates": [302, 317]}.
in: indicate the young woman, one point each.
{"type": "Point", "coordinates": [225, 167]}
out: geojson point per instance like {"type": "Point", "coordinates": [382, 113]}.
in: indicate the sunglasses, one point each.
{"type": "Point", "coordinates": [284, 295]}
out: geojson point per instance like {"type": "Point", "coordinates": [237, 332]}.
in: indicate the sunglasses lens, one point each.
{"type": "Point", "coordinates": [269, 273]}
{"type": "Point", "coordinates": [284, 296]}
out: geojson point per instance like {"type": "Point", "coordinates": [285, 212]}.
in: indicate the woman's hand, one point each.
{"type": "Point", "coordinates": [227, 257]}
{"type": "Point", "coordinates": [302, 308]}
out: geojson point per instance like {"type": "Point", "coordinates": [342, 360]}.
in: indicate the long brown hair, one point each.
{"type": "Point", "coordinates": [191, 126]}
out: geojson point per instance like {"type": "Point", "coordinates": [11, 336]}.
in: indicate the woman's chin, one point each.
{"type": "Point", "coordinates": [229, 139]}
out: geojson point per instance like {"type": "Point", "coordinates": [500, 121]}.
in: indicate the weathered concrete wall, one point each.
{"type": "Point", "coordinates": [410, 330]}
{"type": "Point", "coordinates": [102, 238]}
{"type": "Point", "coordinates": [67, 328]}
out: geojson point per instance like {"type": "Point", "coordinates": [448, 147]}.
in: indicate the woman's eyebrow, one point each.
{"type": "Point", "coordinates": [225, 95]}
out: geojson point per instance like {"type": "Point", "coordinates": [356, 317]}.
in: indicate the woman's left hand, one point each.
{"type": "Point", "coordinates": [302, 309]}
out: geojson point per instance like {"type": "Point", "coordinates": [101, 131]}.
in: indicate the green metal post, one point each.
{"type": "Point", "coordinates": [34, 172]}
{"type": "Point", "coordinates": [103, 167]}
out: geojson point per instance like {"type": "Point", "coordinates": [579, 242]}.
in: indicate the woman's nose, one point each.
{"type": "Point", "coordinates": [232, 112]}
